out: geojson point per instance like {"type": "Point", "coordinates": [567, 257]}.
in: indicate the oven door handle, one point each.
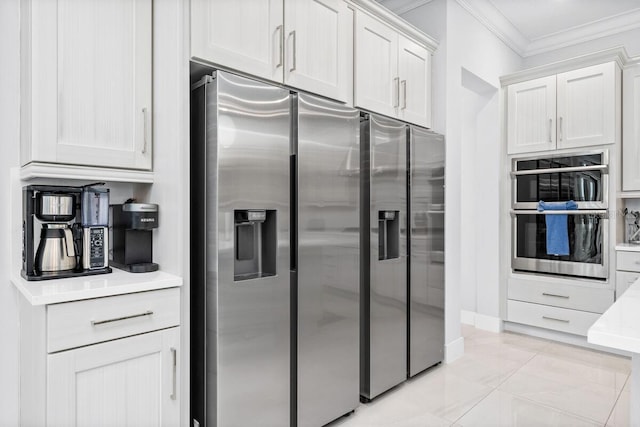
{"type": "Point", "coordinates": [603, 213]}
{"type": "Point", "coordinates": [602, 168]}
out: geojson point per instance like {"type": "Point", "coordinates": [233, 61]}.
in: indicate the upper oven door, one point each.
{"type": "Point", "coordinates": [583, 178]}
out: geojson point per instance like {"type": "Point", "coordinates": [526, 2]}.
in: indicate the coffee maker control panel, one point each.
{"type": "Point", "coordinates": [95, 255]}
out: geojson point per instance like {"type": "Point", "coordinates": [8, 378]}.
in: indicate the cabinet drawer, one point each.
{"type": "Point", "coordinates": [544, 316]}
{"type": "Point", "coordinates": [79, 323]}
{"type": "Point", "coordinates": [564, 296]}
{"type": "Point", "coordinates": [624, 279]}
{"type": "Point", "coordinates": [628, 261]}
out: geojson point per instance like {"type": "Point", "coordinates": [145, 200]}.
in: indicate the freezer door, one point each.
{"type": "Point", "coordinates": [426, 260]}
{"type": "Point", "coordinates": [384, 337]}
{"type": "Point", "coordinates": [328, 158]}
{"type": "Point", "coordinates": [247, 253]}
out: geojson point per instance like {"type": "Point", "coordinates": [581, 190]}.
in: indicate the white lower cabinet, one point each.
{"type": "Point", "coordinates": [627, 269]}
{"type": "Point", "coordinates": [127, 382]}
{"type": "Point", "coordinates": [544, 316]}
{"type": "Point", "coordinates": [558, 305]}
{"type": "Point", "coordinates": [109, 361]}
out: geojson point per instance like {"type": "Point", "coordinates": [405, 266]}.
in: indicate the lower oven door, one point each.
{"type": "Point", "coordinates": [588, 234]}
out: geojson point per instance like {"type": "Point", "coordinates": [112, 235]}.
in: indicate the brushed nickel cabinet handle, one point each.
{"type": "Point", "coordinates": [144, 130]}
{"type": "Point", "coordinates": [560, 127]}
{"type": "Point", "coordinates": [280, 30]}
{"type": "Point", "coordinates": [555, 295]}
{"type": "Point", "coordinates": [396, 83]}
{"type": "Point", "coordinates": [174, 355]}
{"type": "Point", "coordinates": [557, 320]}
{"type": "Point", "coordinates": [550, 125]}
{"type": "Point", "coordinates": [293, 36]}
{"type": "Point", "coordinates": [404, 94]}
{"type": "Point", "coordinates": [117, 319]}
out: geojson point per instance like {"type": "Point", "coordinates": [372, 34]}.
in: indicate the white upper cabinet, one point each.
{"type": "Point", "coordinates": [376, 66]}
{"type": "Point", "coordinates": [578, 108]}
{"type": "Point", "coordinates": [631, 130]}
{"type": "Point", "coordinates": [587, 106]}
{"type": "Point", "coordinates": [392, 72]}
{"type": "Point", "coordinates": [414, 69]}
{"type": "Point", "coordinates": [243, 35]}
{"type": "Point", "coordinates": [319, 47]}
{"type": "Point", "coordinates": [532, 115]}
{"type": "Point", "coordinates": [87, 83]}
{"type": "Point", "coordinates": [306, 44]}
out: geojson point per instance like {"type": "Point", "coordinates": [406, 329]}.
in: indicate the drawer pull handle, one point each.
{"type": "Point", "coordinates": [174, 354]}
{"type": "Point", "coordinates": [555, 295]}
{"type": "Point", "coordinates": [117, 319]}
{"type": "Point", "coordinates": [557, 320]}
{"type": "Point", "coordinates": [637, 262]}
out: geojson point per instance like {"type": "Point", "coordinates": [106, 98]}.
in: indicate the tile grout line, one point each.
{"type": "Point", "coordinates": [613, 408]}
{"type": "Point", "coordinates": [495, 388]}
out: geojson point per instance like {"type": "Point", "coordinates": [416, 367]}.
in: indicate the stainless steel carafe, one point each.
{"type": "Point", "coordinates": [56, 251]}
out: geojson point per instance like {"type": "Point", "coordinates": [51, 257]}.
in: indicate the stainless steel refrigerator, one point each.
{"type": "Point", "coordinates": [383, 342]}
{"type": "Point", "coordinates": [240, 268]}
{"type": "Point", "coordinates": [275, 255]}
{"type": "Point", "coordinates": [426, 156]}
{"type": "Point", "coordinates": [327, 262]}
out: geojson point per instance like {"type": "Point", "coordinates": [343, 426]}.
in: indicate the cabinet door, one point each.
{"type": "Point", "coordinates": [242, 35]}
{"type": "Point", "coordinates": [631, 130]}
{"type": "Point", "coordinates": [531, 107]}
{"type": "Point", "coordinates": [127, 382]}
{"type": "Point", "coordinates": [319, 47]}
{"type": "Point", "coordinates": [587, 106]}
{"type": "Point", "coordinates": [414, 67]}
{"type": "Point", "coordinates": [377, 84]}
{"type": "Point", "coordinates": [91, 83]}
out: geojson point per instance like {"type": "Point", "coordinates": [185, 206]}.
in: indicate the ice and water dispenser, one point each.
{"type": "Point", "coordinates": [256, 242]}
{"type": "Point", "coordinates": [388, 234]}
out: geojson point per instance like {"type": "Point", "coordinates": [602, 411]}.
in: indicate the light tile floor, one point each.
{"type": "Point", "coordinates": [508, 379]}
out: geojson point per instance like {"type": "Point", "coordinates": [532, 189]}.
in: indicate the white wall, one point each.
{"type": "Point", "coordinates": [9, 157]}
{"type": "Point", "coordinates": [472, 219]}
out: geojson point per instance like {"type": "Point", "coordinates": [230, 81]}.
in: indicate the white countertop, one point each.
{"type": "Point", "coordinates": [630, 247]}
{"type": "Point", "coordinates": [77, 288]}
{"type": "Point", "coordinates": [619, 326]}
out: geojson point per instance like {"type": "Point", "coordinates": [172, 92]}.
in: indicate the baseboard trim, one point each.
{"type": "Point", "coordinates": [454, 350]}
{"type": "Point", "coordinates": [481, 321]}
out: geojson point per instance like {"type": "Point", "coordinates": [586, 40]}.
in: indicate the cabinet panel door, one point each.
{"type": "Point", "coordinates": [377, 84]}
{"type": "Point", "coordinates": [414, 63]}
{"type": "Point", "coordinates": [531, 115]}
{"type": "Point", "coordinates": [127, 382]}
{"type": "Point", "coordinates": [631, 130]}
{"type": "Point", "coordinates": [319, 47]}
{"type": "Point", "coordinates": [587, 106]}
{"type": "Point", "coordinates": [96, 108]}
{"type": "Point", "coordinates": [241, 35]}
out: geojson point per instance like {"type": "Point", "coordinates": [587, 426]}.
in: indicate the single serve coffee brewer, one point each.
{"type": "Point", "coordinates": [132, 240]}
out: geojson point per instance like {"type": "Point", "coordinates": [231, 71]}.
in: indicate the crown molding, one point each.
{"type": "Point", "coordinates": [617, 54]}
{"type": "Point", "coordinates": [584, 33]}
{"type": "Point", "coordinates": [390, 18]}
{"type": "Point", "coordinates": [488, 15]}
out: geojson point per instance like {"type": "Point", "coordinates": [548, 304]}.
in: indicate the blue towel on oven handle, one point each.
{"type": "Point", "coordinates": [557, 229]}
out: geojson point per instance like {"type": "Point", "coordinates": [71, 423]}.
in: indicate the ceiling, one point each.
{"type": "Point", "coordinates": [536, 26]}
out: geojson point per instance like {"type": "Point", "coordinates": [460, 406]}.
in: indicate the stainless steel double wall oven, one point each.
{"type": "Point", "coordinates": [582, 177]}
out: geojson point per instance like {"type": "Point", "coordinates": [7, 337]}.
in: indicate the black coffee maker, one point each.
{"type": "Point", "coordinates": [132, 240]}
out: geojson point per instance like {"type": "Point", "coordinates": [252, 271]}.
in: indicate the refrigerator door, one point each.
{"type": "Point", "coordinates": [328, 157]}
{"type": "Point", "coordinates": [384, 274]}
{"type": "Point", "coordinates": [240, 168]}
{"type": "Point", "coordinates": [426, 250]}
